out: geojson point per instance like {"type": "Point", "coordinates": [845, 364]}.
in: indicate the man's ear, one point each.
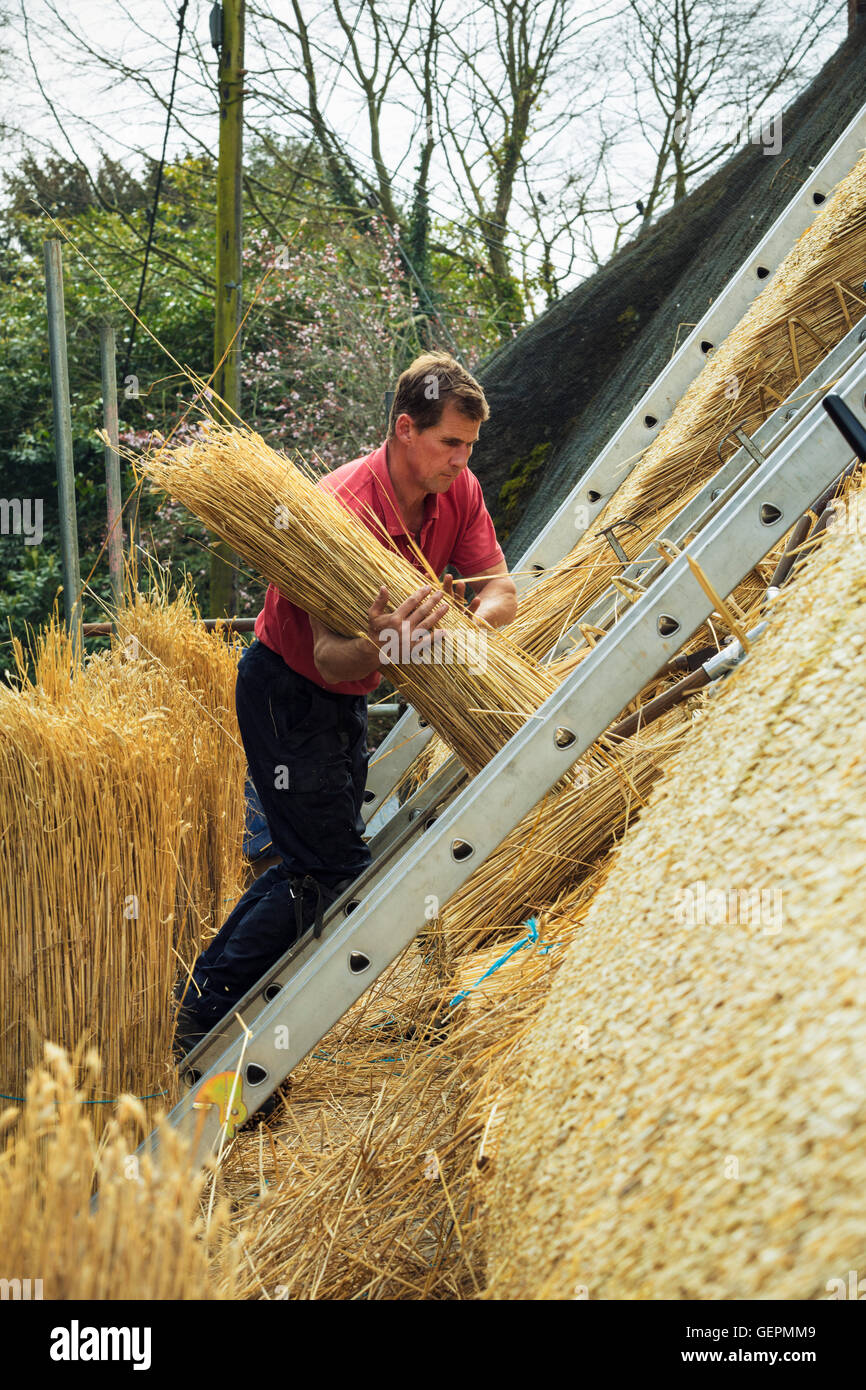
{"type": "Point", "coordinates": [403, 428]}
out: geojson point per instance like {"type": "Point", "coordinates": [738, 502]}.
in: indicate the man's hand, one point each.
{"type": "Point", "coordinates": [420, 612]}
{"type": "Point", "coordinates": [340, 658]}
{"type": "Point", "coordinates": [456, 589]}
{"type": "Point", "coordinates": [495, 602]}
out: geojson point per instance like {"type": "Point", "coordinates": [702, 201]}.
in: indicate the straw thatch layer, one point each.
{"type": "Point", "coordinates": [692, 1118]}
{"type": "Point", "coordinates": [373, 1168]}
{"type": "Point", "coordinates": [808, 306]}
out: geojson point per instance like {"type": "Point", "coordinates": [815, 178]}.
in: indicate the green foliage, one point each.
{"type": "Point", "coordinates": [321, 344]}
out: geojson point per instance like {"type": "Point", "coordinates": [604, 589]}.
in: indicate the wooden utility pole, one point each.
{"type": "Point", "coordinates": [63, 439]}
{"type": "Point", "coordinates": [227, 382]}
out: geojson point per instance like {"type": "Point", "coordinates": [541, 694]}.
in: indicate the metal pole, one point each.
{"type": "Point", "coordinates": [112, 460]}
{"type": "Point", "coordinates": [63, 438]}
{"type": "Point", "coordinates": [227, 381]}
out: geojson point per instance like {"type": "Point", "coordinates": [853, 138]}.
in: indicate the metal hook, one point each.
{"type": "Point", "coordinates": [609, 533]}
{"type": "Point", "coordinates": [745, 442]}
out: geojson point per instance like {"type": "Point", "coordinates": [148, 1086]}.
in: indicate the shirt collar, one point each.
{"type": "Point", "coordinates": [385, 499]}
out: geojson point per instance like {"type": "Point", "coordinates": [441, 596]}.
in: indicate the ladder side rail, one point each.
{"type": "Point", "coordinates": [726, 481]}
{"type": "Point", "coordinates": [393, 758]}
{"type": "Point", "coordinates": [606, 474]}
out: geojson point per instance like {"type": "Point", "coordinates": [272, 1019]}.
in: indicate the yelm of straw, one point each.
{"type": "Point", "coordinates": [148, 1237]}
{"type": "Point", "coordinates": [325, 560]}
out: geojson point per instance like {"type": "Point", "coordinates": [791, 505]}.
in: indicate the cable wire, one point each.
{"type": "Point", "coordinates": [181, 21]}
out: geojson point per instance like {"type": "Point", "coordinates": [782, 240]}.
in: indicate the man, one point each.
{"type": "Point", "coordinates": [302, 689]}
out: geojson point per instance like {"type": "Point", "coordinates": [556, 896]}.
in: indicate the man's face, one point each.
{"type": "Point", "coordinates": [437, 455]}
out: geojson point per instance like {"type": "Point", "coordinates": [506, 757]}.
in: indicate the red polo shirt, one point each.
{"type": "Point", "coordinates": [456, 530]}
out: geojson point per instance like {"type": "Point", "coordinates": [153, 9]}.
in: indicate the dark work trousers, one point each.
{"type": "Point", "coordinates": [307, 753]}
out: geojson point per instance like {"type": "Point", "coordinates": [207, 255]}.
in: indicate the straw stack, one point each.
{"type": "Point", "coordinates": [150, 1237]}
{"type": "Point", "coordinates": [691, 1123]}
{"type": "Point", "coordinates": [167, 638]}
{"type": "Point", "coordinates": [122, 837]}
{"type": "Point", "coordinates": [807, 307]}
{"type": "Point", "coordinates": [324, 559]}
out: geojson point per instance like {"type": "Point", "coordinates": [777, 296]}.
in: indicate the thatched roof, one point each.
{"type": "Point", "coordinates": [693, 1115]}
{"type": "Point", "coordinates": [566, 382]}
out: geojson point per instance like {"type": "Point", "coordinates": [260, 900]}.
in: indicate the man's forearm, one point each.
{"type": "Point", "coordinates": [339, 659]}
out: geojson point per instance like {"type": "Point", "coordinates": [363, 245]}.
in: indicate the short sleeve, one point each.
{"type": "Point", "coordinates": [476, 548]}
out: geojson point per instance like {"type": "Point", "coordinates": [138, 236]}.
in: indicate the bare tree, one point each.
{"type": "Point", "coordinates": [702, 73]}
{"type": "Point", "coordinates": [380, 46]}
{"type": "Point", "coordinates": [505, 59]}
{"type": "Point", "coordinates": [512, 141]}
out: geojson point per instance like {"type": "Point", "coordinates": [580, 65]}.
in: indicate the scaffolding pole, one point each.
{"type": "Point", "coordinates": [107, 353]}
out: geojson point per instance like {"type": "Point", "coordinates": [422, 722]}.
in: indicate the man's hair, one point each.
{"type": "Point", "coordinates": [427, 386]}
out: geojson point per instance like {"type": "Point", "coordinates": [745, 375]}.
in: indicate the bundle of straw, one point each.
{"type": "Point", "coordinates": [324, 559]}
{"type": "Point", "coordinates": [121, 852]}
{"type": "Point", "coordinates": [706, 1137]}
{"type": "Point", "coordinates": [163, 634]}
{"type": "Point", "coordinates": [808, 306]}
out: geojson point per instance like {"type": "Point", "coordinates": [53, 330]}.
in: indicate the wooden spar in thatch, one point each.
{"type": "Point", "coordinates": [707, 1138]}
{"type": "Point", "coordinates": [808, 306]}
{"type": "Point", "coordinates": [436, 751]}
{"type": "Point", "coordinates": [324, 559]}
{"type": "Point", "coordinates": [123, 786]}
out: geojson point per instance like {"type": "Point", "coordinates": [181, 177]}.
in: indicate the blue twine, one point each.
{"type": "Point", "coordinates": [153, 1096]}
{"type": "Point", "coordinates": [329, 1057]}
{"type": "Point", "coordinates": [529, 940]}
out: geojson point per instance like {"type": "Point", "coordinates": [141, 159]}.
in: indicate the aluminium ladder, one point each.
{"type": "Point", "coordinates": [595, 488]}
{"type": "Point", "coordinates": [688, 522]}
{"type": "Point", "coordinates": [230, 1075]}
